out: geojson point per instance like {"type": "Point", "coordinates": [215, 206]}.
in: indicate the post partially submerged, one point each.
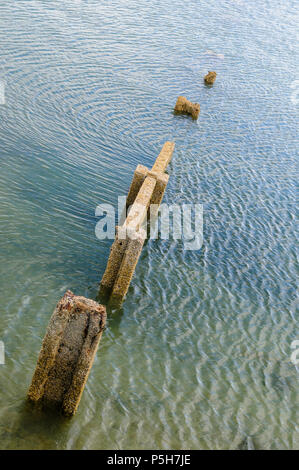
{"type": "Point", "coordinates": [67, 353]}
{"type": "Point", "coordinates": [210, 78]}
{"type": "Point", "coordinates": [147, 187]}
{"type": "Point", "coordinates": [77, 323]}
{"type": "Point", "coordinates": [184, 106]}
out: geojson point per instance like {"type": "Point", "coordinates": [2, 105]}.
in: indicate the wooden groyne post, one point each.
{"type": "Point", "coordinates": [147, 187]}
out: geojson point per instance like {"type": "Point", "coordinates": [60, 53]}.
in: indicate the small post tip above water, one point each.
{"type": "Point", "coordinates": [67, 353]}
{"type": "Point", "coordinates": [210, 78]}
{"type": "Point", "coordinates": [184, 106]}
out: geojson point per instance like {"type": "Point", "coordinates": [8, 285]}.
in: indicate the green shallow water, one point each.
{"type": "Point", "coordinates": [198, 357]}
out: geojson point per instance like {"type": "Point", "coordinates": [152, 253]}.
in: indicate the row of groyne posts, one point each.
{"type": "Point", "coordinates": [77, 323]}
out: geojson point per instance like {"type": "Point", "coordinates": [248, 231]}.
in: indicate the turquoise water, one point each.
{"type": "Point", "coordinates": [199, 355]}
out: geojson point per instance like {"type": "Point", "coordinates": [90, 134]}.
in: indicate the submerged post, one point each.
{"type": "Point", "coordinates": [147, 187]}
{"type": "Point", "coordinates": [67, 353]}
{"type": "Point", "coordinates": [184, 106]}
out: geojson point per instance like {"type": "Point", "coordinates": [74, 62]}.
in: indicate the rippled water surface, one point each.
{"type": "Point", "coordinates": [199, 355]}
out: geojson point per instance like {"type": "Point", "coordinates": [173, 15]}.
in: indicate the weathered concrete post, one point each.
{"type": "Point", "coordinates": [127, 267]}
{"type": "Point", "coordinates": [142, 171]}
{"type": "Point", "coordinates": [147, 187]}
{"type": "Point", "coordinates": [184, 106]}
{"type": "Point", "coordinates": [161, 183]}
{"type": "Point", "coordinates": [77, 323]}
{"type": "Point", "coordinates": [164, 157]}
{"type": "Point", "coordinates": [210, 78]}
{"type": "Point", "coordinates": [139, 176]}
{"type": "Point", "coordinates": [67, 353]}
{"type": "Point", "coordinates": [129, 235]}
{"type": "Point", "coordinates": [138, 210]}
{"type": "Point", "coordinates": [117, 251]}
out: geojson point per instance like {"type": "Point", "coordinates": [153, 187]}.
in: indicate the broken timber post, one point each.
{"type": "Point", "coordinates": [67, 353]}
{"type": "Point", "coordinates": [147, 187]}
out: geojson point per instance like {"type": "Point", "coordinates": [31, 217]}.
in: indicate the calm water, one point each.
{"type": "Point", "coordinates": [199, 355]}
